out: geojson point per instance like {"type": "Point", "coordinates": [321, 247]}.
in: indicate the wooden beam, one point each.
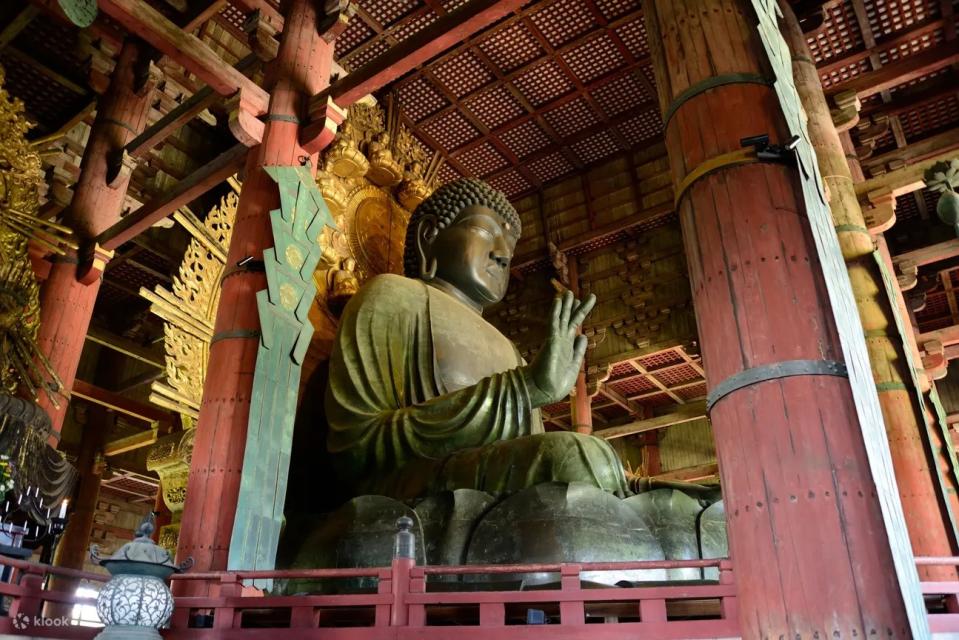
{"type": "Point", "coordinates": [446, 31]}
{"type": "Point", "coordinates": [931, 254]}
{"type": "Point", "coordinates": [685, 413]}
{"type": "Point", "coordinates": [120, 404]}
{"type": "Point", "coordinates": [187, 190]}
{"type": "Point", "coordinates": [690, 474]}
{"type": "Point", "coordinates": [186, 49]}
{"type": "Point", "coordinates": [928, 151]}
{"type": "Point", "coordinates": [131, 443]}
{"type": "Point", "coordinates": [947, 336]}
{"type": "Point", "coordinates": [20, 22]}
{"type": "Point", "coordinates": [181, 115]}
{"type": "Point", "coordinates": [901, 71]}
{"type": "Point", "coordinates": [127, 347]}
{"type": "Point", "coordinates": [266, 10]}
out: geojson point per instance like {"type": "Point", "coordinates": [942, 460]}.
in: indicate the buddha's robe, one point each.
{"type": "Point", "coordinates": [406, 420]}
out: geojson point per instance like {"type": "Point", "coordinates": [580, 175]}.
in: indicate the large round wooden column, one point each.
{"type": "Point", "coordinates": [807, 537]}
{"type": "Point", "coordinates": [66, 305]}
{"type": "Point", "coordinates": [930, 530]}
{"type": "Point", "coordinates": [301, 69]}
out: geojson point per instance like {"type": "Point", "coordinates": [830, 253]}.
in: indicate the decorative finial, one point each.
{"type": "Point", "coordinates": [147, 526]}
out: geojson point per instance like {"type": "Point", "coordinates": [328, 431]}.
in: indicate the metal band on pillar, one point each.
{"type": "Point", "coordinates": [706, 85]}
{"type": "Point", "coordinates": [774, 371]}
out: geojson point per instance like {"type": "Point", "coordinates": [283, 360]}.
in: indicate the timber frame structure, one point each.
{"type": "Point", "coordinates": [751, 188]}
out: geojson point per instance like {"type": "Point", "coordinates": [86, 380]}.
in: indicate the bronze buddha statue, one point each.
{"type": "Point", "coordinates": [424, 395]}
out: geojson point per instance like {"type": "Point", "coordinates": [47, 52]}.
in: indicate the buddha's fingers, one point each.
{"type": "Point", "coordinates": [567, 309]}
{"type": "Point", "coordinates": [582, 311]}
{"type": "Point", "coordinates": [579, 351]}
{"type": "Point", "coordinates": [554, 314]}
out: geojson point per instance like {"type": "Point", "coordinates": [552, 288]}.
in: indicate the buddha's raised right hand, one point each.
{"type": "Point", "coordinates": [554, 369]}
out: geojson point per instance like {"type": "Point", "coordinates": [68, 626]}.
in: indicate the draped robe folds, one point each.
{"type": "Point", "coordinates": [404, 425]}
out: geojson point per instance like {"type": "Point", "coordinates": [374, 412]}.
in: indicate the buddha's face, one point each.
{"type": "Point", "coordinates": [474, 253]}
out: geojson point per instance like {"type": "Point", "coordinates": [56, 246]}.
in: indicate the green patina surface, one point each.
{"type": "Point", "coordinates": [286, 332]}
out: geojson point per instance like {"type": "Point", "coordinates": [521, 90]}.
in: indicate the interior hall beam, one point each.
{"type": "Point", "coordinates": [901, 71]}
{"type": "Point", "coordinates": [187, 190]}
{"type": "Point", "coordinates": [121, 404]}
{"type": "Point", "coordinates": [690, 474]}
{"type": "Point", "coordinates": [180, 115]}
{"type": "Point", "coordinates": [685, 413]}
{"type": "Point", "coordinates": [931, 254]}
{"type": "Point", "coordinates": [131, 443]}
{"type": "Point", "coordinates": [127, 347]}
{"type": "Point", "coordinates": [915, 158]}
{"type": "Point", "coordinates": [186, 49]}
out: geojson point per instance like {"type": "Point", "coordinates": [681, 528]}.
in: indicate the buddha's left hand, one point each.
{"type": "Point", "coordinates": [554, 369]}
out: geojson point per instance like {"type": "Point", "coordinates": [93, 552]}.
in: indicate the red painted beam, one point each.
{"type": "Point", "coordinates": [116, 402]}
{"type": "Point", "coordinates": [931, 254]}
{"type": "Point", "coordinates": [901, 71]}
{"type": "Point", "coordinates": [188, 189]}
{"type": "Point", "coordinates": [186, 49]}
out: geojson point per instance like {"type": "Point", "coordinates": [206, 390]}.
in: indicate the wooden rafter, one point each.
{"type": "Point", "coordinates": [686, 413]}
{"type": "Point", "coordinates": [112, 400]}
{"type": "Point", "coordinates": [186, 49]}
{"type": "Point", "coordinates": [651, 376]}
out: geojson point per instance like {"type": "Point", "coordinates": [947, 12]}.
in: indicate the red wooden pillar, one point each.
{"type": "Point", "coordinates": [66, 304]}
{"type": "Point", "coordinates": [301, 69]}
{"type": "Point", "coordinates": [806, 531]}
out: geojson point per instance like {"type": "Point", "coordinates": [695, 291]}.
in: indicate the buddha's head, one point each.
{"type": "Point", "coordinates": [462, 238]}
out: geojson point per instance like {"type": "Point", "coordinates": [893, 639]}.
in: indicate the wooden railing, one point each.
{"type": "Point", "coordinates": [942, 598]}
{"type": "Point", "coordinates": [402, 607]}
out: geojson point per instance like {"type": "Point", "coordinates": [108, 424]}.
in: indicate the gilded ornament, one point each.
{"type": "Point", "coordinates": [288, 297]}
{"type": "Point", "coordinates": [21, 177]}
{"type": "Point", "coordinates": [384, 170]}
{"type": "Point", "coordinates": [344, 158]}
{"type": "Point", "coordinates": [294, 256]}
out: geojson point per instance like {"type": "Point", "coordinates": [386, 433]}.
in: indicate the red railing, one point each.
{"type": "Point", "coordinates": [29, 598]}
{"type": "Point", "coordinates": [403, 608]}
{"type": "Point", "coordinates": [942, 598]}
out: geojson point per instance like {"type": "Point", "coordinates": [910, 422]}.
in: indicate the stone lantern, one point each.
{"type": "Point", "coordinates": [136, 601]}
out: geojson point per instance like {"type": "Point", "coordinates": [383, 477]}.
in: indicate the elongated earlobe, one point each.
{"type": "Point", "coordinates": [425, 235]}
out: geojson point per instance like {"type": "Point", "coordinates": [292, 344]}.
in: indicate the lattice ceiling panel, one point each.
{"type": "Point", "coordinates": [910, 47]}
{"type": "Point", "coordinates": [596, 147]}
{"type": "Point", "coordinates": [563, 21]}
{"type": "Point", "coordinates": [388, 12]}
{"type": "Point", "coordinates": [633, 35]}
{"type": "Point", "coordinates": [612, 9]}
{"type": "Point", "coordinates": [525, 139]}
{"type": "Point", "coordinates": [551, 167]}
{"type": "Point", "coordinates": [451, 130]}
{"type": "Point", "coordinates": [495, 107]}
{"type": "Point", "coordinates": [482, 160]}
{"type": "Point", "coordinates": [594, 58]}
{"type": "Point", "coordinates": [931, 118]}
{"type": "Point", "coordinates": [643, 127]}
{"type": "Point", "coordinates": [890, 16]}
{"type": "Point", "coordinates": [839, 34]}
{"type": "Point", "coordinates": [512, 47]}
{"type": "Point", "coordinates": [543, 83]}
{"type": "Point", "coordinates": [463, 74]}
{"type": "Point", "coordinates": [572, 117]}
{"type": "Point", "coordinates": [511, 183]}
{"type": "Point", "coordinates": [621, 95]}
